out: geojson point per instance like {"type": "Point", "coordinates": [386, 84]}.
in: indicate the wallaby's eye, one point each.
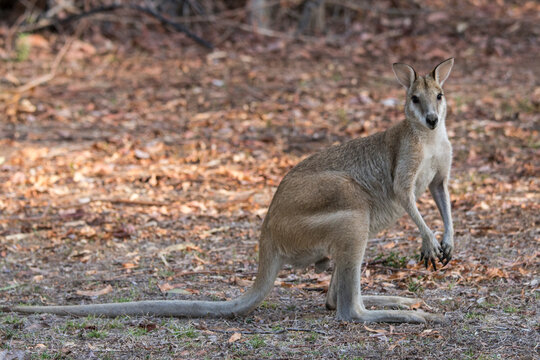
{"type": "Point", "coordinates": [415, 99]}
{"type": "Point", "coordinates": [439, 97]}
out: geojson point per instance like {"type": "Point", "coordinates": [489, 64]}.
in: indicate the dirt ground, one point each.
{"type": "Point", "coordinates": [143, 167]}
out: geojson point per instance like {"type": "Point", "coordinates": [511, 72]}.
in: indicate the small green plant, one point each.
{"type": "Point", "coordinates": [138, 331]}
{"type": "Point", "coordinates": [256, 342]}
{"type": "Point", "coordinates": [96, 334]}
{"type": "Point", "coordinates": [12, 320]}
{"type": "Point", "coordinates": [269, 305]}
{"type": "Point", "coordinates": [487, 304]}
{"type": "Point", "coordinates": [115, 324]}
{"type": "Point", "coordinates": [188, 332]}
{"type": "Point", "coordinates": [122, 300]}
{"type": "Point", "coordinates": [312, 337]}
{"type": "Point", "coordinates": [164, 273]}
{"type": "Point", "coordinates": [46, 355]}
{"type": "Point", "coordinates": [22, 47]}
{"type": "Point", "coordinates": [8, 334]}
{"type": "Point", "coordinates": [510, 310]}
{"type": "Point", "coordinates": [74, 325]}
{"type": "Point", "coordinates": [472, 315]}
{"type": "Point", "coordinates": [342, 116]}
{"type": "Point", "coordinates": [393, 260]}
{"type": "Point", "coordinates": [415, 286]}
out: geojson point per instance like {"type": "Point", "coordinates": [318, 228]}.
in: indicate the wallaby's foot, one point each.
{"type": "Point", "coordinates": [390, 316]}
{"type": "Point", "coordinates": [330, 304]}
{"type": "Point", "coordinates": [397, 302]}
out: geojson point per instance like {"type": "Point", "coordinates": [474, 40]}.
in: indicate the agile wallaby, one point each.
{"type": "Point", "coordinates": [331, 203]}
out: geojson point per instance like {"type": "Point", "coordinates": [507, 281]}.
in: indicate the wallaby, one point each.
{"type": "Point", "coordinates": [331, 203]}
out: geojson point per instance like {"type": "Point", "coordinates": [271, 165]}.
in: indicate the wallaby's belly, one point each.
{"type": "Point", "coordinates": [383, 215]}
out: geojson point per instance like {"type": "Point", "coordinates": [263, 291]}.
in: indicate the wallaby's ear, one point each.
{"type": "Point", "coordinates": [405, 74]}
{"type": "Point", "coordinates": [441, 71]}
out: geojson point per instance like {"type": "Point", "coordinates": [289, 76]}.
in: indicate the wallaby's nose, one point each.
{"type": "Point", "coordinates": [431, 120]}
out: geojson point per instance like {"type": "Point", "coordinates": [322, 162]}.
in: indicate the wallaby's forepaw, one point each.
{"type": "Point", "coordinates": [447, 248]}
{"type": "Point", "coordinates": [431, 251]}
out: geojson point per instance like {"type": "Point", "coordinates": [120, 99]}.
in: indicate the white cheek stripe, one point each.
{"type": "Point", "coordinates": [442, 112]}
{"type": "Point", "coordinates": [416, 112]}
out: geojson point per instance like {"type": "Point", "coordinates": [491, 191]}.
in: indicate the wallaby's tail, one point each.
{"type": "Point", "coordinates": [269, 265]}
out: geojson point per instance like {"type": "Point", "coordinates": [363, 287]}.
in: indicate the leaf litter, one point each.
{"type": "Point", "coordinates": [140, 174]}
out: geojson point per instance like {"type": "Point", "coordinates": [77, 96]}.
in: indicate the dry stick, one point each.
{"type": "Point", "coordinates": [102, 9]}
{"type": "Point", "coordinates": [266, 332]}
{"type": "Point", "coordinates": [133, 202]}
{"type": "Point", "coordinates": [267, 32]}
{"type": "Point", "coordinates": [116, 201]}
{"type": "Point", "coordinates": [40, 80]}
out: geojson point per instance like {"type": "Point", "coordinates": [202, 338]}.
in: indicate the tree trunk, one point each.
{"type": "Point", "coordinates": [260, 13]}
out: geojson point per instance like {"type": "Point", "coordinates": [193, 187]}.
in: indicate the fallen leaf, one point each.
{"type": "Point", "coordinates": [107, 289]}
{"type": "Point", "coordinates": [148, 326]}
{"type": "Point", "coordinates": [242, 282]}
{"type": "Point", "coordinates": [416, 305]}
{"type": "Point", "coordinates": [180, 247]}
{"type": "Point", "coordinates": [378, 331]}
{"type": "Point", "coordinates": [139, 154]}
{"type": "Point", "coordinates": [234, 337]}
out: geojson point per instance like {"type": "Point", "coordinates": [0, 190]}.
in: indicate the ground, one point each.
{"type": "Point", "coordinates": [142, 169]}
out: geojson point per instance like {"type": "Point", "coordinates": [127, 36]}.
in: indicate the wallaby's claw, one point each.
{"type": "Point", "coordinates": [433, 263]}
{"type": "Point", "coordinates": [446, 259]}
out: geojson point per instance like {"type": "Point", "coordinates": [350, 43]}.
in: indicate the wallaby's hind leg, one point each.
{"type": "Point", "coordinates": [350, 246]}
{"type": "Point", "coordinates": [350, 307]}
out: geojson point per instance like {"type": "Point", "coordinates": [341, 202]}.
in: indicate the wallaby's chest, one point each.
{"type": "Point", "coordinates": [435, 157]}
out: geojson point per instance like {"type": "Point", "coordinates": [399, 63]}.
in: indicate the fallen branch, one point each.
{"type": "Point", "coordinates": [40, 80]}
{"type": "Point", "coordinates": [264, 332]}
{"type": "Point", "coordinates": [102, 9]}
{"type": "Point", "coordinates": [116, 201]}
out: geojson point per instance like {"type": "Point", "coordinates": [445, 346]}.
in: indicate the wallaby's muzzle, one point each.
{"type": "Point", "coordinates": [432, 120]}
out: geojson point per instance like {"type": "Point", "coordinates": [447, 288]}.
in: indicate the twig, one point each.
{"type": "Point", "coordinates": [116, 201]}
{"type": "Point", "coordinates": [368, 7]}
{"type": "Point", "coordinates": [102, 9]}
{"type": "Point", "coordinates": [40, 80]}
{"type": "Point", "coordinates": [265, 332]}
{"type": "Point", "coordinates": [393, 268]}
{"type": "Point", "coordinates": [266, 32]}
{"type": "Point", "coordinates": [133, 202]}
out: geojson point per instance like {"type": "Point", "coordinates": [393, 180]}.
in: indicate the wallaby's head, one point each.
{"type": "Point", "coordinates": [425, 98]}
